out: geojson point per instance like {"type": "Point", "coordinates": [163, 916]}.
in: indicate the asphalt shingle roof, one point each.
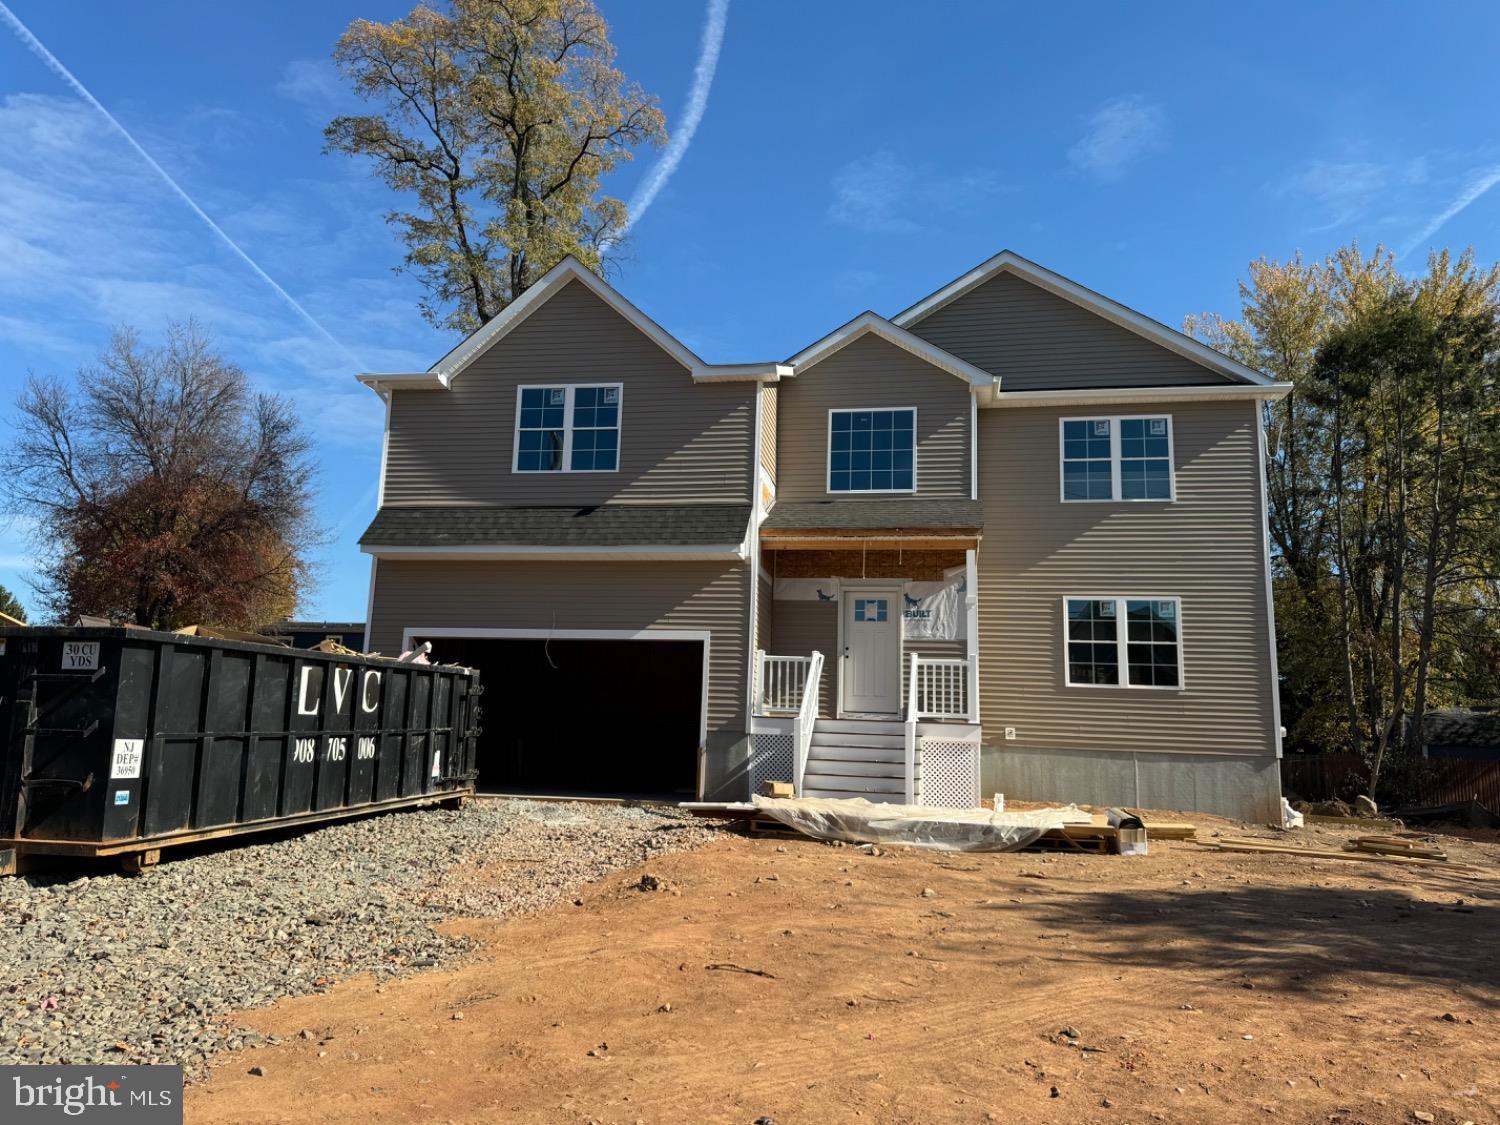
{"type": "Point", "coordinates": [605, 525]}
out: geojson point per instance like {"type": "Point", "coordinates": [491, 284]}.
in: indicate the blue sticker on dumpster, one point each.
{"type": "Point", "coordinates": [122, 796]}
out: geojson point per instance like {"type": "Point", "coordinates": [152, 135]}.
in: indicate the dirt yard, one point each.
{"type": "Point", "coordinates": [799, 982]}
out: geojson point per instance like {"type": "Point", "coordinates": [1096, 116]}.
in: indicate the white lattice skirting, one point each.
{"type": "Point", "coordinates": [950, 774]}
{"type": "Point", "coordinates": [772, 758]}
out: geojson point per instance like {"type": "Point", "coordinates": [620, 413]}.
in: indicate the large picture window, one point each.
{"type": "Point", "coordinates": [568, 429]}
{"type": "Point", "coordinates": [1123, 642]}
{"type": "Point", "coordinates": [1117, 458]}
{"type": "Point", "coordinates": [872, 450]}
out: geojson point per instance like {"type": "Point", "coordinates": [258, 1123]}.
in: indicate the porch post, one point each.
{"type": "Point", "coordinates": [971, 610]}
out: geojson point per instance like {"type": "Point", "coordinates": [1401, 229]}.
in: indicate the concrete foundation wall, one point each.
{"type": "Point", "coordinates": [1246, 788]}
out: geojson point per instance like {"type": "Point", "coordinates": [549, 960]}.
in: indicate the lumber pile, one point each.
{"type": "Point", "coordinates": [1251, 845]}
{"type": "Point", "coordinates": [1169, 830]}
{"type": "Point", "coordinates": [1394, 845]}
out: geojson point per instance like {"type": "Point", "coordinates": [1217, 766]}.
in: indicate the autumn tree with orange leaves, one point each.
{"type": "Point", "coordinates": [164, 491]}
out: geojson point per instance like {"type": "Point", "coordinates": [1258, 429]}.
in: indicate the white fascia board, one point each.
{"type": "Point", "coordinates": [382, 381]}
{"type": "Point", "coordinates": [741, 372]}
{"type": "Point", "coordinates": [1007, 261]}
{"type": "Point", "coordinates": [569, 269]}
{"type": "Point", "coordinates": [1124, 396]}
{"type": "Point", "coordinates": [545, 554]}
{"type": "Point", "coordinates": [867, 322]}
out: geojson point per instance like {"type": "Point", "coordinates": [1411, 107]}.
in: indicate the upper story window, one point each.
{"type": "Point", "coordinates": [568, 429]}
{"type": "Point", "coordinates": [872, 450]}
{"type": "Point", "coordinates": [1123, 642]}
{"type": "Point", "coordinates": [1117, 458]}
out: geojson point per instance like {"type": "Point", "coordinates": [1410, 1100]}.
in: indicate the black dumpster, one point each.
{"type": "Point", "coordinates": [119, 742]}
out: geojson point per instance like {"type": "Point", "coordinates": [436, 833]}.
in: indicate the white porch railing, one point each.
{"type": "Point", "coordinates": [781, 682]}
{"type": "Point", "coordinates": [939, 688]}
{"type": "Point", "coordinates": [807, 717]}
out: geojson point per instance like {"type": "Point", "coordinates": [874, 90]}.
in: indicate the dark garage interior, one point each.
{"type": "Point", "coordinates": [595, 717]}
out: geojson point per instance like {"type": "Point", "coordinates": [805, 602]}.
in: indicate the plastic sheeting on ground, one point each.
{"type": "Point", "coordinates": [858, 821]}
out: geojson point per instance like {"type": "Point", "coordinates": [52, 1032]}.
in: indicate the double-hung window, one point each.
{"type": "Point", "coordinates": [872, 450]}
{"type": "Point", "coordinates": [1117, 458]}
{"type": "Point", "coordinates": [568, 429]}
{"type": "Point", "coordinates": [1123, 642]}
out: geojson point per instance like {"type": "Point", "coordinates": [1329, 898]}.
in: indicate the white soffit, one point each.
{"type": "Point", "coordinates": [870, 322]}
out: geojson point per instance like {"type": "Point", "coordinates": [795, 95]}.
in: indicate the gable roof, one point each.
{"type": "Point", "coordinates": [570, 269]}
{"type": "Point", "coordinates": [870, 323]}
{"type": "Point", "coordinates": [1007, 261]}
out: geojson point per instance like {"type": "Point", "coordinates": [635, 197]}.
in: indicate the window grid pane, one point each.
{"type": "Point", "coordinates": [1144, 459]}
{"type": "Point", "coordinates": [1151, 642]}
{"type": "Point", "coordinates": [1086, 459]}
{"type": "Point", "coordinates": [872, 451]}
{"type": "Point", "coordinates": [542, 433]}
{"type": "Point", "coordinates": [1093, 653]}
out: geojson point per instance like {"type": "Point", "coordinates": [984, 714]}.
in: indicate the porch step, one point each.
{"type": "Point", "coordinates": [859, 726]}
{"type": "Point", "coordinates": [871, 789]}
{"type": "Point", "coordinates": [821, 737]}
{"type": "Point", "coordinates": [820, 753]}
{"type": "Point", "coordinates": [822, 767]}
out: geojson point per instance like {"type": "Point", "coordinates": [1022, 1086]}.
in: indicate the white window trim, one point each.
{"type": "Point", "coordinates": [1114, 421]}
{"type": "Point", "coordinates": [828, 454]}
{"type": "Point", "coordinates": [567, 454]}
{"type": "Point", "coordinates": [1121, 640]}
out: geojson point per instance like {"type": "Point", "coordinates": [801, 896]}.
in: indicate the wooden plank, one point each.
{"type": "Point", "coordinates": [1268, 848]}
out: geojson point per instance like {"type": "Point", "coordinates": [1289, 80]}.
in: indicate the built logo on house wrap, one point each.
{"type": "Point", "coordinates": [110, 1095]}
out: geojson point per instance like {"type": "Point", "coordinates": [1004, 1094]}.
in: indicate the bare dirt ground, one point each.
{"type": "Point", "coordinates": [803, 982]}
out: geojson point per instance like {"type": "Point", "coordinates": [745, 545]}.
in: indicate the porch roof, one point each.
{"type": "Point", "coordinates": [887, 517]}
{"type": "Point", "coordinates": [603, 525]}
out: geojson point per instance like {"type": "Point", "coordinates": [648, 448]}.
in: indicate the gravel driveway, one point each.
{"type": "Point", "coordinates": [107, 968]}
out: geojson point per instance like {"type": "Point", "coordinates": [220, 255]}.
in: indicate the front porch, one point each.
{"type": "Point", "coordinates": [865, 672]}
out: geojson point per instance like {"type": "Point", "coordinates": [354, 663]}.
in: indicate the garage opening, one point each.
{"type": "Point", "coordinates": [586, 716]}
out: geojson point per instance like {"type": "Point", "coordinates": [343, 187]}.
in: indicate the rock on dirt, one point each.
{"type": "Point", "coordinates": [103, 968]}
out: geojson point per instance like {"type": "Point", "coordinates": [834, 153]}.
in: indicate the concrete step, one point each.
{"type": "Point", "coordinates": [825, 768]}
{"type": "Point", "coordinates": [859, 726]}
{"type": "Point", "coordinates": [822, 737]}
{"type": "Point", "coordinates": [817, 753]}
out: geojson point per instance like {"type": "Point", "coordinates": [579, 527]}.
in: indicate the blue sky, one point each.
{"type": "Point", "coordinates": [848, 157]}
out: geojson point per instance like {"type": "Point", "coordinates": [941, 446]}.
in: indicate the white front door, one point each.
{"type": "Point", "coordinates": [872, 650]}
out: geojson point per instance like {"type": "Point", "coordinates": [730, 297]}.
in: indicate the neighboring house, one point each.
{"type": "Point", "coordinates": [1012, 539]}
{"type": "Point", "coordinates": [305, 634]}
{"type": "Point", "coordinates": [1457, 733]}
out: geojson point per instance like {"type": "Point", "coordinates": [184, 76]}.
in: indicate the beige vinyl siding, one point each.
{"type": "Point", "coordinates": [1206, 548]}
{"type": "Point", "coordinates": [872, 373]}
{"type": "Point", "coordinates": [680, 441]}
{"type": "Point", "coordinates": [576, 595]}
{"type": "Point", "coordinates": [768, 404]}
{"type": "Point", "coordinates": [799, 629]}
{"type": "Point", "coordinates": [765, 592]}
{"type": "Point", "coordinates": [1035, 340]}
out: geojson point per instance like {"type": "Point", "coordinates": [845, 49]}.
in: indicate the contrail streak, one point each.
{"type": "Point", "coordinates": [35, 46]}
{"type": "Point", "coordinates": [682, 136]}
{"type": "Point", "coordinates": [1481, 183]}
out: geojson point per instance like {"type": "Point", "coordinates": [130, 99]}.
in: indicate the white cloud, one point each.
{"type": "Point", "coordinates": [314, 84]}
{"type": "Point", "coordinates": [1120, 132]}
{"type": "Point", "coordinates": [1342, 190]}
{"type": "Point", "coordinates": [872, 193]}
{"type": "Point", "coordinates": [882, 194]}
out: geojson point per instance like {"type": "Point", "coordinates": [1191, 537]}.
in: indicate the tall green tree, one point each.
{"type": "Point", "coordinates": [499, 119]}
{"type": "Point", "coordinates": [11, 606]}
{"type": "Point", "coordinates": [1383, 489]}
